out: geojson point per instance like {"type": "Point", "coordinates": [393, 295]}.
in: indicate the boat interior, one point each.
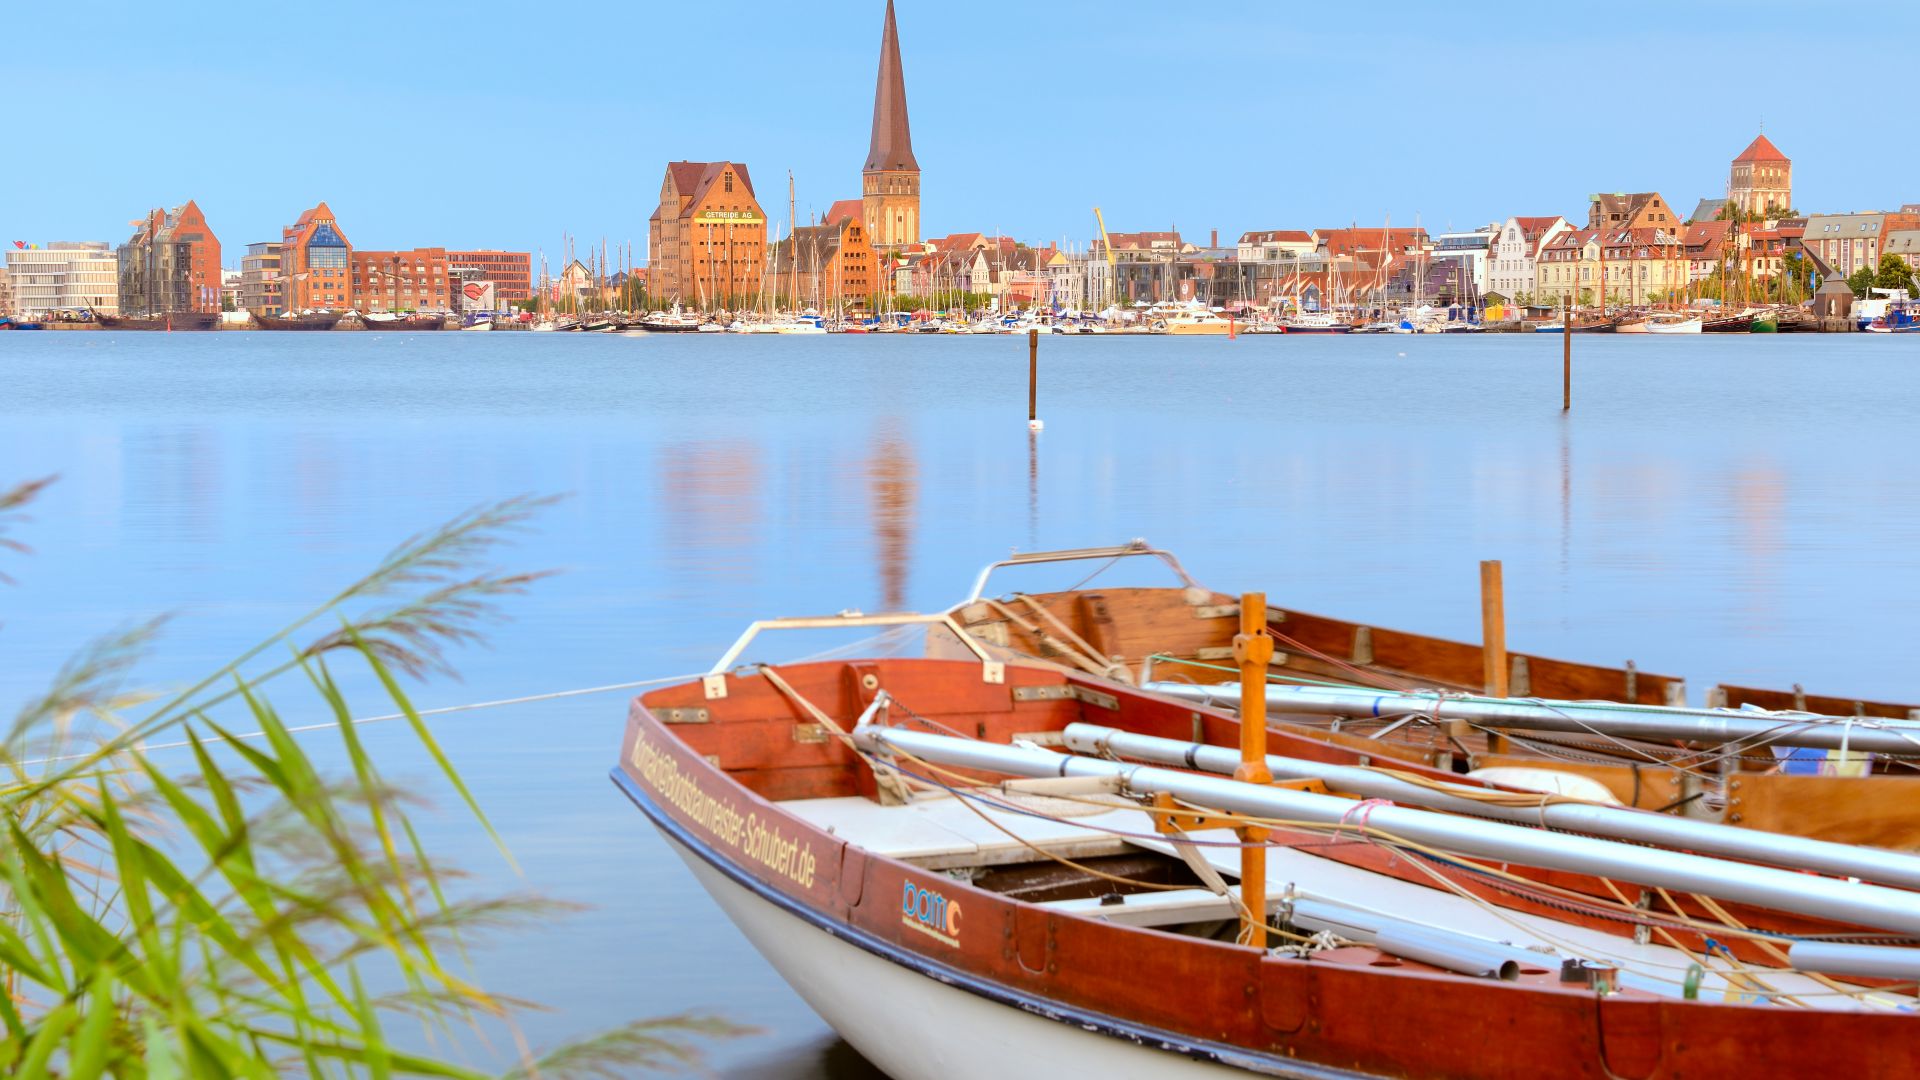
{"type": "Point", "coordinates": [1088, 847]}
{"type": "Point", "coordinates": [1134, 636]}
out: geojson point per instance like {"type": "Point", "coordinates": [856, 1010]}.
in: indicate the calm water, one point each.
{"type": "Point", "coordinates": [1730, 509]}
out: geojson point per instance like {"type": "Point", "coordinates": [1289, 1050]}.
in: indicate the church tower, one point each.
{"type": "Point", "coordinates": [890, 183]}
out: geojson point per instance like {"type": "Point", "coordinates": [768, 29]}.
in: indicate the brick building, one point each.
{"type": "Point", "coordinates": [1761, 180]}
{"type": "Point", "coordinates": [171, 263]}
{"type": "Point", "coordinates": [708, 237]}
{"type": "Point", "coordinates": [314, 261]}
{"type": "Point", "coordinates": [890, 181]}
{"type": "Point", "coordinates": [1636, 210]}
{"type": "Point", "coordinates": [510, 271]}
{"type": "Point", "coordinates": [414, 280]}
{"type": "Point", "coordinates": [829, 265]}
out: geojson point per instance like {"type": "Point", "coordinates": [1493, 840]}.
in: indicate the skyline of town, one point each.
{"type": "Point", "coordinates": [1007, 154]}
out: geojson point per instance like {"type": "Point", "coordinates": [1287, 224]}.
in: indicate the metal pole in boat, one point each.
{"type": "Point", "coordinates": [1253, 650]}
{"type": "Point", "coordinates": [1566, 353]}
{"type": "Point", "coordinates": [1493, 643]}
{"type": "Point", "coordinates": [1033, 381]}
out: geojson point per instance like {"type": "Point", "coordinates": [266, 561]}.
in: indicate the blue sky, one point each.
{"type": "Point", "coordinates": [503, 125]}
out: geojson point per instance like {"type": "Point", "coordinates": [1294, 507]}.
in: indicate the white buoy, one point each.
{"type": "Point", "coordinates": [1036, 425]}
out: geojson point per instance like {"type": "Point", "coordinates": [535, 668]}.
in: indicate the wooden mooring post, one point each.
{"type": "Point", "coordinates": [1566, 355]}
{"type": "Point", "coordinates": [1033, 381]}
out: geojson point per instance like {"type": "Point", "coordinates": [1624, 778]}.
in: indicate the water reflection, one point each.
{"type": "Point", "coordinates": [891, 492]}
{"type": "Point", "coordinates": [823, 1059]}
{"type": "Point", "coordinates": [710, 512]}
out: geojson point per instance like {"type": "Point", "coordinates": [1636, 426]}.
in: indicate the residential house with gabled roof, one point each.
{"type": "Point", "coordinates": [1567, 265]}
{"type": "Point", "coordinates": [1639, 266]}
{"type": "Point", "coordinates": [1630, 210]}
{"type": "Point", "coordinates": [708, 236]}
{"type": "Point", "coordinates": [1707, 244]}
{"type": "Point", "coordinates": [1516, 254]}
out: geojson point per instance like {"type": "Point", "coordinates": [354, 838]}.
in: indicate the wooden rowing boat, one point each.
{"type": "Point", "coordinates": [1185, 633]}
{"type": "Point", "coordinates": [919, 847]}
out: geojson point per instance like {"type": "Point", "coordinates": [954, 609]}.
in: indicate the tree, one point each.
{"type": "Point", "coordinates": [1894, 274]}
{"type": "Point", "coordinates": [1860, 281]}
{"type": "Point", "coordinates": [1586, 297]}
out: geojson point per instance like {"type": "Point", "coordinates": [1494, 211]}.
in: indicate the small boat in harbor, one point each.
{"type": "Point", "coordinates": [1314, 322]}
{"type": "Point", "coordinates": [974, 869]}
{"type": "Point", "coordinates": [176, 320]}
{"type": "Point", "coordinates": [381, 320]}
{"type": "Point", "coordinates": [1673, 324]}
{"type": "Point", "coordinates": [308, 320]}
{"type": "Point", "coordinates": [1729, 324]}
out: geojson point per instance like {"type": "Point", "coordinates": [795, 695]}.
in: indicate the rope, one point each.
{"type": "Point", "coordinates": [357, 721]}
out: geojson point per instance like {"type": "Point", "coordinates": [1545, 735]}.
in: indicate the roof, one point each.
{"type": "Point", "coordinates": [692, 179]}
{"type": "Point", "coordinates": [892, 146]}
{"type": "Point", "coordinates": [1349, 241]}
{"type": "Point", "coordinates": [1707, 209]}
{"type": "Point", "coordinates": [845, 209]}
{"type": "Point", "coordinates": [1277, 236]}
{"type": "Point", "coordinates": [1760, 149]}
{"type": "Point", "coordinates": [1531, 227]}
{"type": "Point", "coordinates": [1574, 238]}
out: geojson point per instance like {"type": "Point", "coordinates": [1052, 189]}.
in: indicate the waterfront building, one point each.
{"type": "Point", "coordinates": [65, 276]}
{"type": "Point", "coordinates": [708, 236]}
{"type": "Point", "coordinates": [1707, 245]}
{"type": "Point", "coordinates": [1642, 266]}
{"type": "Point", "coordinates": [1630, 210]}
{"type": "Point", "coordinates": [314, 263]}
{"type": "Point", "coordinates": [230, 290]}
{"type": "Point", "coordinates": [170, 263]}
{"type": "Point", "coordinates": [1145, 265]}
{"type": "Point", "coordinates": [415, 280]}
{"type": "Point", "coordinates": [1567, 267]}
{"type": "Point", "coordinates": [1516, 254]}
{"type": "Point", "coordinates": [260, 279]}
{"type": "Point", "coordinates": [576, 286]}
{"type": "Point", "coordinates": [1067, 280]}
{"type": "Point", "coordinates": [1903, 242]}
{"type": "Point", "coordinates": [824, 266]}
{"type": "Point", "coordinates": [6, 292]}
{"type": "Point", "coordinates": [510, 271]}
{"type": "Point", "coordinates": [1472, 251]}
{"type": "Point", "coordinates": [1273, 245]}
{"type": "Point", "coordinates": [1850, 242]}
{"type": "Point", "coordinates": [890, 180]}
{"type": "Point", "coordinates": [1769, 244]}
{"type": "Point", "coordinates": [1760, 182]}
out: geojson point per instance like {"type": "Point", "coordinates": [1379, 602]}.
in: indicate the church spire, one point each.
{"type": "Point", "coordinates": [892, 146]}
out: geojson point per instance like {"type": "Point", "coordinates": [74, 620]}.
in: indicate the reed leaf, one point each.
{"type": "Point", "coordinates": [222, 912]}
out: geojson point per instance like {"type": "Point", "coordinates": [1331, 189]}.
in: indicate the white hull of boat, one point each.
{"type": "Point", "coordinates": [1689, 326]}
{"type": "Point", "coordinates": [915, 1027]}
{"type": "Point", "coordinates": [1639, 326]}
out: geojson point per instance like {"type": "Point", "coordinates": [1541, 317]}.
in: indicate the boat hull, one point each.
{"type": "Point", "coordinates": [297, 322]}
{"type": "Point", "coordinates": [179, 320]}
{"type": "Point", "coordinates": [862, 989]}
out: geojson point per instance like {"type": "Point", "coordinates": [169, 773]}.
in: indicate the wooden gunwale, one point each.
{"type": "Point", "coordinates": [1228, 1003]}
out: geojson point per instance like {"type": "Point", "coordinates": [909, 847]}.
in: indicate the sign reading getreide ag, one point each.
{"type": "Point", "coordinates": [727, 217]}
